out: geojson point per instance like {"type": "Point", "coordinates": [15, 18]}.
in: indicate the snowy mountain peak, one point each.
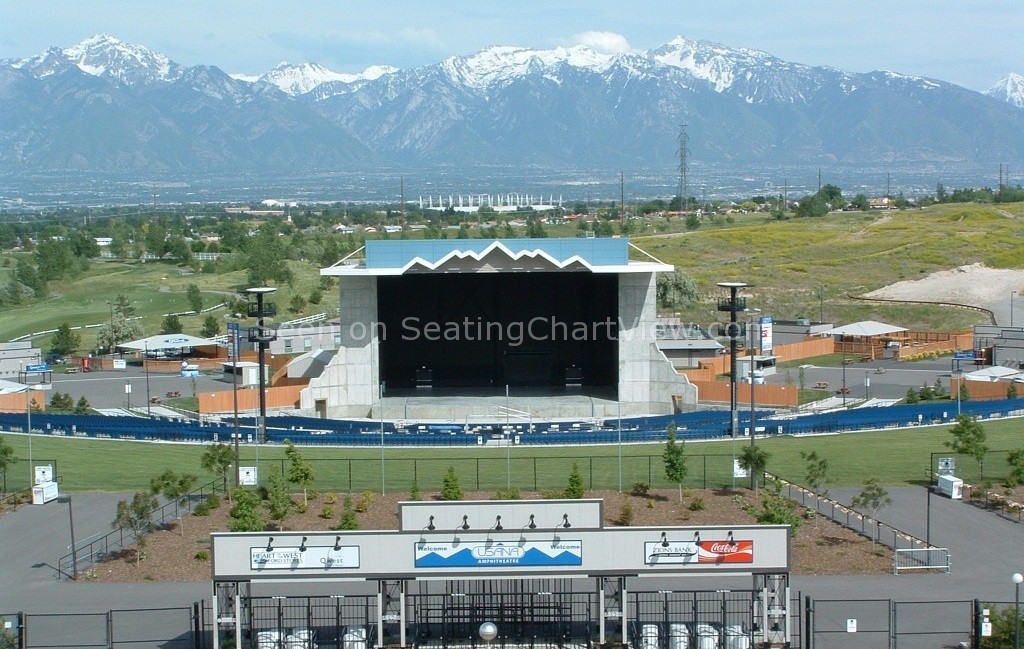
{"type": "Point", "coordinates": [1009, 89]}
{"type": "Point", "coordinates": [501, 63]}
{"type": "Point", "coordinates": [105, 56]}
{"type": "Point", "coordinates": [716, 64]}
{"type": "Point", "coordinates": [301, 79]}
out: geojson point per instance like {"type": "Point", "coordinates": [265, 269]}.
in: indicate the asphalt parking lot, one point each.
{"type": "Point", "coordinates": [882, 379]}
{"type": "Point", "coordinates": [110, 389]}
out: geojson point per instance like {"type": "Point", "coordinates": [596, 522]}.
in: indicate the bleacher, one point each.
{"type": "Point", "coordinates": [703, 424]}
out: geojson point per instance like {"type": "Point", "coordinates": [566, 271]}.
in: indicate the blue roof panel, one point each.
{"type": "Point", "coordinates": [397, 254]}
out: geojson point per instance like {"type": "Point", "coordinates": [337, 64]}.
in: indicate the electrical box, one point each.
{"type": "Point", "coordinates": [44, 492]}
{"type": "Point", "coordinates": [951, 486]}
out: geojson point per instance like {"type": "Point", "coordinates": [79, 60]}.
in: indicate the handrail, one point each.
{"type": "Point", "coordinates": [92, 552]}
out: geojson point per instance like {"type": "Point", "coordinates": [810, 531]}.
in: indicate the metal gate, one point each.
{"type": "Point", "coordinates": [842, 624]}
{"type": "Point", "coordinates": [680, 619]}
{"type": "Point", "coordinates": [526, 612]}
{"type": "Point", "coordinates": [156, 628]}
{"type": "Point", "coordinates": [328, 622]}
{"type": "Point", "coordinates": [922, 625]}
{"type": "Point", "coordinates": [82, 630]}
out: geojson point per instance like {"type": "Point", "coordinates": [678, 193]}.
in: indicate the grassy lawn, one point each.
{"type": "Point", "coordinates": [896, 457]}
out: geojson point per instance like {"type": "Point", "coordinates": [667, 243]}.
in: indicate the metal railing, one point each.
{"type": "Point", "coordinates": [91, 551]}
{"type": "Point", "coordinates": [868, 527]}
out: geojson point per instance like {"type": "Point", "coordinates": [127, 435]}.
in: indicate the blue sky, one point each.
{"type": "Point", "coordinates": [969, 42]}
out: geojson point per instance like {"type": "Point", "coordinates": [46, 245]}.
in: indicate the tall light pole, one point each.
{"type": "Point", "coordinates": [383, 484]}
{"type": "Point", "coordinates": [732, 304]}
{"type": "Point", "coordinates": [1012, 293]}
{"type": "Point", "coordinates": [1017, 579]}
{"type": "Point", "coordinates": [66, 498]}
{"type": "Point", "coordinates": [235, 332]}
{"type": "Point", "coordinates": [262, 338]}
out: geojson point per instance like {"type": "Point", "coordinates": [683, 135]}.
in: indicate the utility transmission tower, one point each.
{"type": "Point", "coordinates": [684, 187]}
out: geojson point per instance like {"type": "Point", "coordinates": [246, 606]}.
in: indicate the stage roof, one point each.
{"type": "Point", "coordinates": [495, 255]}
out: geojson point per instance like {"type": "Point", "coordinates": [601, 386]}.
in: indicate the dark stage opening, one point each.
{"type": "Point", "coordinates": [489, 330]}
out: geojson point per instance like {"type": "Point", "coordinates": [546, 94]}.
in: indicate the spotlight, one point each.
{"type": "Point", "coordinates": [531, 524]}
{"type": "Point", "coordinates": [465, 521]}
{"type": "Point", "coordinates": [731, 539]}
{"type": "Point", "coordinates": [270, 544]}
{"type": "Point", "coordinates": [430, 525]}
{"type": "Point", "coordinates": [565, 521]}
{"type": "Point", "coordinates": [497, 523]}
{"type": "Point", "coordinates": [337, 543]}
{"type": "Point", "coordinates": [696, 537]}
{"type": "Point", "coordinates": [302, 545]}
{"type": "Point", "coordinates": [664, 540]}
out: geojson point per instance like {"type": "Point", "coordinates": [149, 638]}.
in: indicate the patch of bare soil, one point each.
{"type": "Point", "coordinates": [181, 552]}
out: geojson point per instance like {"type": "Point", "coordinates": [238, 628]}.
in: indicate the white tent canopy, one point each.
{"type": "Point", "coordinates": [167, 341]}
{"type": "Point", "coordinates": [865, 328]}
{"type": "Point", "coordinates": [994, 373]}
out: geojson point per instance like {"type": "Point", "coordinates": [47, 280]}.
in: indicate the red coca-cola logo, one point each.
{"type": "Point", "coordinates": [725, 552]}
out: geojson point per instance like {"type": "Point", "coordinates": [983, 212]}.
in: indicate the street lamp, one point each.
{"type": "Point", "coordinates": [66, 498]}
{"type": "Point", "coordinates": [1017, 579]}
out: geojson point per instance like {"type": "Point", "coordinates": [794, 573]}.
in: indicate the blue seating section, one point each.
{"type": "Point", "coordinates": [704, 424]}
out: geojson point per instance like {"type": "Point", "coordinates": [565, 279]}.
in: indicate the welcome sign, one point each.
{"type": "Point", "coordinates": [486, 554]}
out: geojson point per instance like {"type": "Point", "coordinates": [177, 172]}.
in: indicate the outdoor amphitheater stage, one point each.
{"type": "Point", "coordinates": [476, 315]}
{"type": "Point", "coordinates": [484, 405]}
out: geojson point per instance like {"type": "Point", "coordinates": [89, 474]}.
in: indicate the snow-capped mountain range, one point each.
{"type": "Point", "coordinates": [106, 105]}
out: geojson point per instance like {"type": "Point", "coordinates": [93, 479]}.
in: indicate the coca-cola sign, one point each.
{"type": "Point", "coordinates": [725, 551]}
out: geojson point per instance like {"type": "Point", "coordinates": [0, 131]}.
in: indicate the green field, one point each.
{"type": "Point", "coordinates": [154, 289]}
{"type": "Point", "coordinates": [896, 457]}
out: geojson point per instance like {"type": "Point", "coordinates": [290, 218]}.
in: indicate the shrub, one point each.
{"type": "Point", "coordinates": [327, 513]}
{"type": "Point", "coordinates": [641, 489]}
{"type": "Point", "coordinates": [348, 516]}
{"type": "Point", "coordinates": [626, 514]}
{"type": "Point", "coordinates": [202, 555]}
{"type": "Point", "coordinates": [365, 502]}
{"type": "Point", "coordinates": [512, 493]}
{"type": "Point", "coordinates": [330, 499]}
{"type": "Point", "coordinates": [697, 504]}
{"type": "Point", "coordinates": [414, 491]}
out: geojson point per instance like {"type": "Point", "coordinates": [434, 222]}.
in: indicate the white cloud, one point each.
{"type": "Point", "coordinates": [604, 42]}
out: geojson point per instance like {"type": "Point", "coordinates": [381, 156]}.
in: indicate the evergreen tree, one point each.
{"type": "Point", "coordinates": [575, 487]}
{"type": "Point", "coordinates": [450, 489]}
{"type": "Point", "coordinates": [65, 341]}
{"type": "Point", "coordinates": [211, 327]}
{"type": "Point", "coordinates": [171, 325]}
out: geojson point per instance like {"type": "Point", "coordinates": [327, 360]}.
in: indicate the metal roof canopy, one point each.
{"type": "Point", "coordinates": [865, 328]}
{"type": "Point", "coordinates": [167, 341]}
